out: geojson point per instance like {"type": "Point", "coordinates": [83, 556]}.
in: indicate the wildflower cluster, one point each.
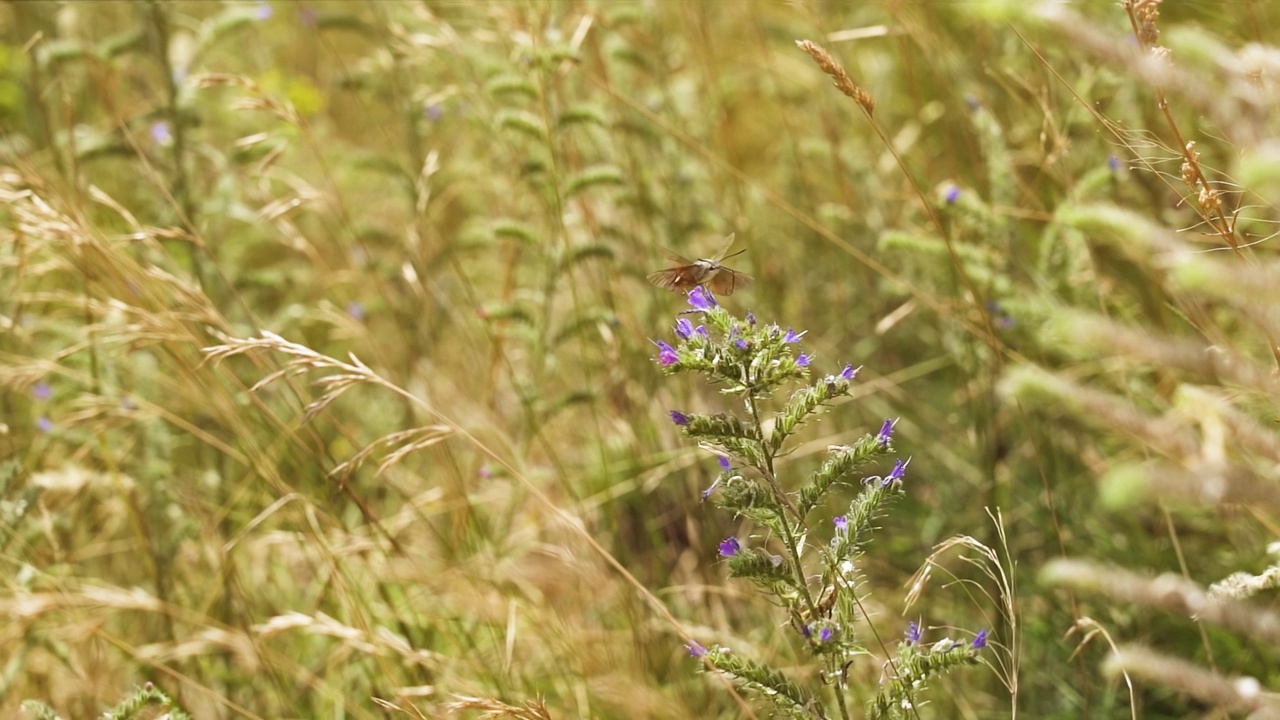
{"type": "Point", "coordinates": [813, 582]}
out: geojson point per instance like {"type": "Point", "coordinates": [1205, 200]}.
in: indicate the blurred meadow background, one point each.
{"type": "Point", "coordinates": [328, 388]}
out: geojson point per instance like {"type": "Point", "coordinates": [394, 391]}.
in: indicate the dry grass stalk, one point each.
{"type": "Point", "coordinates": [1235, 695]}
{"type": "Point", "coordinates": [491, 708]}
{"type": "Point", "coordinates": [841, 78]}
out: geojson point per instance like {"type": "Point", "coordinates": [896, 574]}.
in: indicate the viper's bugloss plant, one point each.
{"type": "Point", "coordinates": [816, 584]}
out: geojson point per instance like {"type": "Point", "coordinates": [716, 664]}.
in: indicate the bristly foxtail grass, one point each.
{"type": "Point", "coordinates": [815, 583]}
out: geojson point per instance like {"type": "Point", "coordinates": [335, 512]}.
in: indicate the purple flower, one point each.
{"type": "Point", "coordinates": [161, 134]}
{"type": "Point", "coordinates": [730, 546]}
{"type": "Point", "coordinates": [701, 330]}
{"type": "Point", "coordinates": [42, 391]}
{"type": "Point", "coordinates": [973, 102]}
{"type": "Point", "coordinates": [979, 640]}
{"type": "Point", "coordinates": [695, 650]}
{"type": "Point", "coordinates": [849, 372]}
{"type": "Point", "coordinates": [792, 336]}
{"type": "Point", "coordinates": [842, 524]}
{"type": "Point", "coordinates": [679, 418]}
{"type": "Point", "coordinates": [707, 493]}
{"type": "Point", "coordinates": [44, 424]}
{"type": "Point", "coordinates": [684, 328]}
{"type": "Point", "coordinates": [264, 10]}
{"type": "Point", "coordinates": [740, 344]}
{"type": "Point", "coordinates": [951, 194]}
{"type": "Point", "coordinates": [434, 112]}
{"type": "Point", "coordinates": [824, 635]}
{"type": "Point", "coordinates": [723, 462]}
{"type": "Point", "coordinates": [886, 432]}
{"type": "Point", "coordinates": [355, 311]}
{"type": "Point", "coordinates": [1113, 162]}
{"type": "Point", "coordinates": [913, 633]}
{"type": "Point", "coordinates": [485, 472]}
{"type": "Point", "coordinates": [803, 360]}
{"type": "Point", "coordinates": [700, 299]}
{"type": "Point", "coordinates": [895, 475]}
{"type": "Point", "coordinates": [806, 631]}
{"type": "Point", "coordinates": [666, 354]}
{"type": "Point", "coordinates": [751, 318]}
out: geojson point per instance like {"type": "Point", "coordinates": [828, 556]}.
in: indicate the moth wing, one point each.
{"type": "Point", "coordinates": [673, 279]}
{"type": "Point", "coordinates": [727, 281]}
{"type": "Point", "coordinates": [676, 257]}
{"type": "Point", "coordinates": [728, 243]}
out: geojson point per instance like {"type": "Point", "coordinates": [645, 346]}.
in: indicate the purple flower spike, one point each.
{"type": "Point", "coordinates": [723, 462]}
{"type": "Point", "coordinates": [792, 336]}
{"type": "Point", "coordinates": [355, 311]}
{"type": "Point", "coordinates": [701, 330]}
{"type": "Point", "coordinates": [751, 318]}
{"type": "Point", "coordinates": [806, 631]}
{"type": "Point", "coordinates": [842, 524]}
{"type": "Point", "coordinates": [700, 299]}
{"type": "Point", "coordinates": [730, 546]}
{"type": "Point", "coordinates": [979, 640]}
{"type": "Point", "coordinates": [913, 633]}
{"type": "Point", "coordinates": [886, 432]}
{"type": "Point", "coordinates": [42, 391]}
{"type": "Point", "coordinates": [684, 328]}
{"type": "Point", "coordinates": [44, 424]}
{"type": "Point", "coordinates": [849, 372]}
{"type": "Point", "coordinates": [679, 418]}
{"type": "Point", "coordinates": [695, 650]}
{"type": "Point", "coordinates": [803, 360]}
{"type": "Point", "coordinates": [951, 195]}
{"type": "Point", "coordinates": [740, 344]}
{"type": "Point", "coordinates": [666, 354]}
{"type": "Point", "coordinates": [824, 635]}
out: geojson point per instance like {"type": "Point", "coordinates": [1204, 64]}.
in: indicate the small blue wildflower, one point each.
{"type": "Point", "coordinates": [161, 134]}
{"type": "Point", "coordinates": [951, 194]}
{"type": "Point", "coordinates": [42, 391]}
{"type": "Point", "coordinates": [679, 418]}
{"type": "Point", "coordinates": [895, 475]}
{"type": "Point", "coordinates": [824, 635]}
{"type": "Point", "coordinates": [264, 10]}
{"type": "Point", "coordinates": [913, 633]}
{"type": "Point", "coordinates": [979, 640]}
{"type": "Point", "coordinates": [792, 336]}
{"type": "Point", "coordinates": [355, 310]}
{"type": "Point", "coordinates": [707, 493]}
{"type": "Point", "coordinates": [702, 330]}
{"type": "Point", "coordinates": [723, 462]}
{"type": "Point", "coordinates": [44, 424]}
{"type": "Point", "coordinates": [684, 328]}
{"type": "Point", "coordinates": [751, 318]}
{"type": "Point", "coordinates": [841, 523]}
{"type": "Point", "coordinates": [730, 546]}
{"type": "Point", "coordinates": [666, 354]}
{"type": "Point", "coordinates": [1113, 163]}
{"type": "Point", "coordinates": [695, 650]}
{"type": "Point", "coordinates": [849, 372]}
{"type": "Point", "coordinates": [740, 344]}
{"type": "Point", "coordinates": [886, 432]}
{"type": "Point", "coordinates": [434, 112]}
{"type": "Point", "coordinates": [803, 360]}
{"type": "Point", "coordinates": [700, 299]}
{"type": "Point", "coordinates": [806, 631]}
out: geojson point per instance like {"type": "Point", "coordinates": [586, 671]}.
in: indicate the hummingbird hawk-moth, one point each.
{"type": "Point", "coordinates": [707, 272]}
